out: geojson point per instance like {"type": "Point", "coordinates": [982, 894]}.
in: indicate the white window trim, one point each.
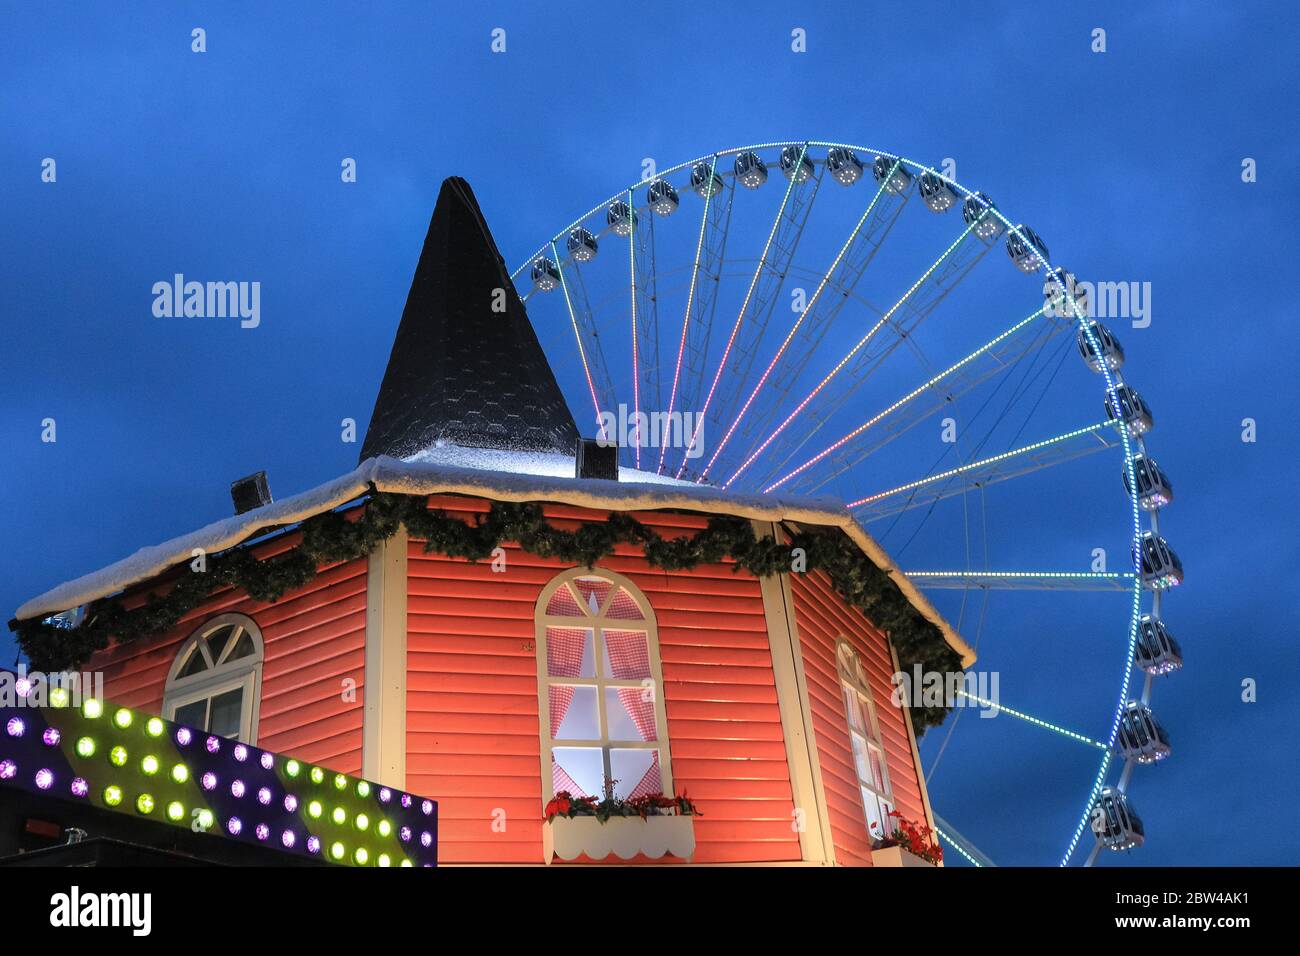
{"type": "Point", "coordinates": [597, 623]}
{"type": "Point", "coordinates": [853, 678]}
{"type": "Point", "coordinates": [243, 673]}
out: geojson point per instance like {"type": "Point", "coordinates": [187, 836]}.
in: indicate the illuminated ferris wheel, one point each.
{"type": "Point", "coordinates": [767, 320]}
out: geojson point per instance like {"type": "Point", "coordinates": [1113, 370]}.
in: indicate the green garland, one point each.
{"type": "Point", "coordinates": [331, 537]}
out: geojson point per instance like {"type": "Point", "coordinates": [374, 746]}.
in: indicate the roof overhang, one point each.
{"type": "Point", "coordinates": [427, 478]}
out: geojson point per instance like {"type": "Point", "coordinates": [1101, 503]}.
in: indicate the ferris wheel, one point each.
{"type": "Point", "coordinates": [767, 319]}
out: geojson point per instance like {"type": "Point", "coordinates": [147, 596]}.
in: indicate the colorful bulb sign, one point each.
{"type": "Point", "coordinates": [155, 770]}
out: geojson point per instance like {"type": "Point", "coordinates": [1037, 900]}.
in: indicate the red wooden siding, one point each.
{"type": "Point", "coordinates": [823, 618]}
{"type": "Point", "coordinates": [472, 705]}
{"type": "Point", "coordinates": [314, 638]}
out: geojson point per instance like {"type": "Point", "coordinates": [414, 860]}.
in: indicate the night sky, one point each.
{"type": "Point", "coordinates": [225, 165]}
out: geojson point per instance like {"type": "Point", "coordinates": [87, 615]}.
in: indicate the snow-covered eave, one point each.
{"type": "Point", "coordinates": [424, 478]}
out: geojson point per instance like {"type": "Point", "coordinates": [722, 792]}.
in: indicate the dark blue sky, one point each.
{"type": "Point", "coordinates": [225, 165]}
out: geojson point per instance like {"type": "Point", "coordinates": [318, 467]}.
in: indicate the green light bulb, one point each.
{"type": "Point", "coordinates": [59, 697]}
{"type": "Point", "coordinates": [118, 756]}
{"type": "Point", "coordinates": [154, 727]}
{"type": "Point", "coordinates": [314, 809]}
{"type": "Point", "coordinates": [92, 708]}
{"type": "Point", "coordinates": [122, 718]}
{"type": "Point", "coordinates": [180, 773]}
{"type": "Point", "coordinates": [205, 818]}
{"type": "Point", "coordinates": [149, 765]}
{"type": "Point", "coordinates": [317, 775]}
{"type": "Point", "coordinates": [86, 747]}
{"type": "Point", "coordinates": [144, 803]}
{"type": "Point", "coordinates": [384, 827]}
{"type": "Point", "coordinates": [362, 821]}
{"type": "Point", "coordinates": [363, 789]}
{"type": "Point", "coordinates": [112, 796]}
{"type": "Point", "coordinates": [384, 860]}
{"type": "Point", "coordinates": [292, 768]}
{"type": "Point", "coordinates": [340, 782]}
{"type": "Point", "coordinates": [407, 863]}
{"type": "Point", "coordinates": [361, 856]}
{"type": "Point", "coordinates": [337, 850]}
{"type": "Point", "coordinates": [339, 816]}
{"type": "Point", "coordinates": [176, 811]}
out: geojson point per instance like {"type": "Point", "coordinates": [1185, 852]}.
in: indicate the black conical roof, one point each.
{"type": "Point", "coordinates": [460, 372]}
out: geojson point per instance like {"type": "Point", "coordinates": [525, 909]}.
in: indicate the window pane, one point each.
{"type": "Point", "coordinates": [194, 664]}
{"type": "Point", "coordinates": [579, 770]}
{"type": "Point", "coordinates": [244, 648]}
{"type": "Point", "coordinates": [630, 712]}
{"type": "Point", "coordinates": [853, 707]}
{"type": "Point", "coordinates": [227, 709]}
{"type": "Point", "coordinates": [878, 770]}
{"type": "Point", "coordinates": [636, 772]}
{"type": "Point", "coordinates": [861, 760]}
{"type": "Point", "coordinates": [574, 715]}
{"type": "Point", "coordinates": [592, 592]}
{"type": "Point", "coordinates": [876, 821]}
{"type": "Point", "coordinates": [624, 607]}
{"type": "Point", "coordinates": [569, 652]}
{"type": "Point", "coordinates": [563, 603]}
{"type": "Point", "coordinates": [626, 655]}
{"type": "Point", "coordinates": [193, 715]}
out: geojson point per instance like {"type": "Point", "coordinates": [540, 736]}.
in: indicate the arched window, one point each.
{"type": "Point", "coordinates": [599, 682]}
{"type": "Point", "coordinates": [864, 738]}
{"type": "Point", "coordinates": [216, 680]}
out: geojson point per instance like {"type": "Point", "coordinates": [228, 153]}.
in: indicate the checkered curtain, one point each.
{"type": "Point", "coordinates": [651, 781]}
{"type": "Point", "coordinates": [629, 660]}
{"type": "Point", "coordinates": [564, 647]}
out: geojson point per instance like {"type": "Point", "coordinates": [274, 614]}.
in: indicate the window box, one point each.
{"type": "Point", "coordinates": [897, 856]}
{"type": "Point", "coordinates": [666, 834]}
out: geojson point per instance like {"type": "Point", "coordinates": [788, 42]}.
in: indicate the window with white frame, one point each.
{"type": "Point", "coordinates": [215, 680]}
{"type": "Point", "coordinates": [864, 738]}
{"type": "Point", "coordinates": [599, 680]}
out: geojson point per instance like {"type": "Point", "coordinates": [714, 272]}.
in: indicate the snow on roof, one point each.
{"type": "Point", "coordinates": [533, 476]}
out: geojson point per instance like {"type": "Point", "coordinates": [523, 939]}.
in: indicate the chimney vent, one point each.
{"type": "Point", "coordinates": [249, 493]}
{"type": "Point", "coordinates": [597, 459]}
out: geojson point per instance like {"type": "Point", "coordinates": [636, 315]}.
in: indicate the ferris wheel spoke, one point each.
{"type": "Point", "coordinates": [840, 279]}
{"type": "Point", "coordinates": [987, 471]}
{"type": "Point", "coordinates": [599, 383]}
{"type": "Point", "coordinates": [900, 328]}
{"type": "Point", "coordinates": [645, 322]}
{"type": "Point", "coordinates": [1024, 580]}
{"type": "Point", "coordinates": [760, 299]}
{"type": "Point", "coordinates": [1000, 708]}
{"type": "Point", "coordinates": [948, 833]}
{"type": "Point", "coordinates": [993, 357]}
{"type": "Point", "coordinates": [701, 303]}
{"type": "Point", "coordinates": [853, 358]}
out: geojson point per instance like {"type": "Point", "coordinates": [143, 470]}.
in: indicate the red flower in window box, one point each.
{"type": "Point", "coordinates": [916, 838]}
